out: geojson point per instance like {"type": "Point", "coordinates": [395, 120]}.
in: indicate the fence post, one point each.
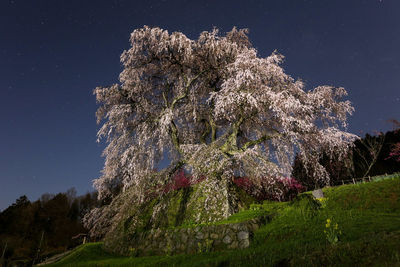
{"type": "Point", "coordinates": [4, 251]}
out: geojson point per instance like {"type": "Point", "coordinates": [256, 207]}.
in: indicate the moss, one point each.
{"type": "Point", "coordinates": [306, 205]}
{"type": "Point", "coordinates": [181, 213]}
{"type": "Point", "coordinates": [180, 208]}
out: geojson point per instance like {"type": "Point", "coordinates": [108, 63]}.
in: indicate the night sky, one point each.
{"type": "Point", "coordinates": [54, 53]}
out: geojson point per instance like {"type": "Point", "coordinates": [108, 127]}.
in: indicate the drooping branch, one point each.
{"type": "Point", "coordinates": [222, 81]}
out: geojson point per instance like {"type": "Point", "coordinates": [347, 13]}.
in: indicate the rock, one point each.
{"type": "Point", "coordinates": [206, 235]}
{"type": "Point", "coordinates": [234, 245]}
{"type": "Point", "coordinates": [235, 226]}
{"type": "Point", "coordinates": [242, 227]}
{"type": "Point", "coordinates": [244, 243]}
{"type": "Point", "coordinates": [227, 239]}
{"type": "Point", "coordinates": [318, 193]}
{"type": "Point", "coordinates": [184, 238]}
{"type": "Point", "coordinates": [243, 235]}
{"type": "Point", "coordinates": [214, 236]}
{"type": "Point", "coordinates": [199, 235]}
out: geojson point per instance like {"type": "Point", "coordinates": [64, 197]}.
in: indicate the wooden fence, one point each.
{"type": "Point", "coordinates": [366, 179]}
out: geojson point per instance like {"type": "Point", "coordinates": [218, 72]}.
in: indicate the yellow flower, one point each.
{"type": "Point", "coordinates": [328, 223]}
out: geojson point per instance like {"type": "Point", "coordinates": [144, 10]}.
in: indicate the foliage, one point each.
{"type": "Point", "coordinates": [383, 164]}
{"type": "Point", "coordinates": [338, 168]}
{"type": "Point", "coordinates": [206, 247]}
{"type": "Point", "coordinates": [34, 230]}
{"type": "Point", "coordinates": [323, 201]}
{"type": "Point", "coordinates": [215, 107]}
{"type": "Point", "coordinates": [369, 155]}
{"type": "Point", "coordinates": [332, 232]}
{"type": "Point", "coordinates": [283, 188]}
{"type": "Point", "coordinates": [395, 152]}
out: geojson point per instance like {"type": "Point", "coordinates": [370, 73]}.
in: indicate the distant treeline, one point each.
{"type": "Point", "coordinates": [31, 231]}
{"type": "Point", "coordinates": [371, 155]}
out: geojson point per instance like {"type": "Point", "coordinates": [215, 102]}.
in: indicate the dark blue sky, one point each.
{"type": "Point", "coordinates": [54, 53]}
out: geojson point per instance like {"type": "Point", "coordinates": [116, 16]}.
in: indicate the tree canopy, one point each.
{"type": "Point", "coordinates": [214, 106]}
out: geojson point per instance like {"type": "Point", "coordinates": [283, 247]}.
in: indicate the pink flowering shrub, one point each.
{"type": "Point", "coordinates": [291, 187]}
{"type": "Point", "coordinates": [244, 183]}
{"type": "Point", "coordinates": [395, 152]}
{"type": "Point", "coordinates": [181, 180]}
{"type": "Point", "coordinates": [278, 189]}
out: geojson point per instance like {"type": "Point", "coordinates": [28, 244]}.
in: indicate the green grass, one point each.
{"type": "Point", "coordinates": [367, 214]}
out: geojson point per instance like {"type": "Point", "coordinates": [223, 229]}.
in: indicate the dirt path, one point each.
{"type": "Point", "coordinates": [55, 258]}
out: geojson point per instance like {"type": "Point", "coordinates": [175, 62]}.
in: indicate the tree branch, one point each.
{"type": "Point", "coordinates": [174, 136]}
{"type": "Point", "coordinates": [254, 142]}
{"type": "Point", "coordinates": [188, 84]}
{"type": "Point", "coordinates": [258, 141]}
{"type": "Point", "coordinates": [165, 99]}
{"type": "Point", "coordinates": [213, 129]}
{"type": "Point", "coordinates": [230, 146]}
{"type": "Point", "coordinates": [173, 128]}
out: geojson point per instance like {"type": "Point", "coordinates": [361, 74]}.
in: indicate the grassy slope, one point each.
{"type": "Point", "coordinates": [368, 216]}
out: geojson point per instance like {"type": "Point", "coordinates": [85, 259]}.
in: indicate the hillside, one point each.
{"type": "Point", "coordinates": [354, 225]}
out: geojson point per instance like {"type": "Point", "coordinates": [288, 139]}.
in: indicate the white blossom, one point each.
{"type": "Point", "coordinates": [214, 105]}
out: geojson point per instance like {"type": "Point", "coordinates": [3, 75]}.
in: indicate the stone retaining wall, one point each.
{"type": "Point", "coordinates": [196, 239]}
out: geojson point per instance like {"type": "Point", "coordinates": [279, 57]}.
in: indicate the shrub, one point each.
{"type": "Point", "coordinates": [278, 189]}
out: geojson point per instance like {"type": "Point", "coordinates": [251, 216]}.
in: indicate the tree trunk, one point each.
{"type": "Point", "coordinates": [214, 199]}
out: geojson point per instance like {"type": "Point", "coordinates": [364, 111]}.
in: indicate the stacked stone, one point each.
{"type": "Point", "coordinates": [197, 239]}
